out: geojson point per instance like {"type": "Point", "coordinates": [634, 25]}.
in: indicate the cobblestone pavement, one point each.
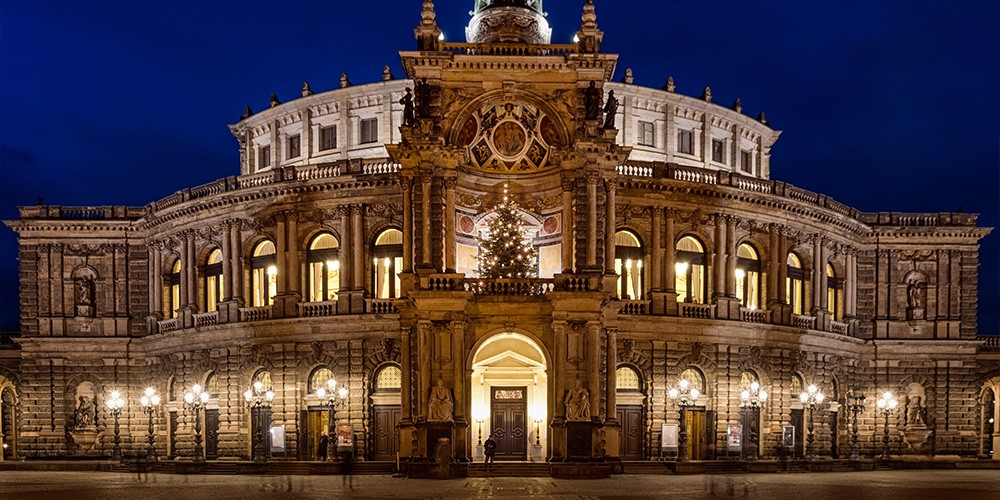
{"type": "Point", "coordinates": [935, 484]}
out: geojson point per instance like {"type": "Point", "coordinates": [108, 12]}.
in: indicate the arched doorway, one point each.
{"type": "Point", "coordinates": [509, 396]}
{"type": "Point", "coordinates": [8, 422]}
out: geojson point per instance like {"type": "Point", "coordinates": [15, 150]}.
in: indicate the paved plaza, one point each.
{"type": "Point", "coordinates": [933, 484]}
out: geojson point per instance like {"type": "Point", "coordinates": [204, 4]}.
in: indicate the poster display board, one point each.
{"type": "Point", "coordinates": [734, 437]}
{"type": "Point", "coordinates": [345, 437]}
{"type": "Point", "coordinates": [670, 433]}
{"type": "Point", "coordinates": [788, 437]}
{"type": "Point", "coordinates": [278, 438]}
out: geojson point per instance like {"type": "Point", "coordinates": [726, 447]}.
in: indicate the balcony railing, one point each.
{"type": "Point", "coordinates": [510, 287]}
{"type": "Point", "coordinates": [250, 314]}
{"type": "Point", "coordinates": [206, 319]}
{"type": "Point", "coordinates": [755, 315]}
{"type": "Point", "coordinates": [508, 49]}
{"type": "Point", "coordinates": [380, 306]}
{"type": "Point", "coordinates": [804, 322]}
{"type": "Point", "coordinates": [317, 309]}
{"type": "Point", "coordinates": [699, 311]}
{"type": "Point", "coordinates": [167, 325]}
{"type": "Point", "coordinates": [634, 307]}
{"type": "Point", "coordinates": [838, 327]}
{"type": "Point", "coordinates": [990, 343]}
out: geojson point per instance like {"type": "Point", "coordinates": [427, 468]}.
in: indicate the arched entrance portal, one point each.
{"type": "Point", "coordinates": [509, 397]}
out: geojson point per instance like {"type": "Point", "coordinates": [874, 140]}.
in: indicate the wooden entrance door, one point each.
{"type": "Point", "coordinates": [212, 434]}
{"type": "Point", "coordinates": [172, 451]}
{"type": "Point", "coordinates": [508, 422]}
{"type": "Point", "coordinates": [834, 433]}
{"type": "Point", "coordinates": [386, 436]}
{"type": "Point", "coordinates": [317, 423]}
{"type": "Point", "coordinates": [697, 434]}
{"type": "Point", "coordinates": [630, 444]}
{"type": "Point", "coordinates": [798, 420]}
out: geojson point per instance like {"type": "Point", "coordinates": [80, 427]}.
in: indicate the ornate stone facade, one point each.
{"type": "Point", "coordinates": [346, 246]}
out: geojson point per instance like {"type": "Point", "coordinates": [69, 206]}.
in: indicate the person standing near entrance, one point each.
{"type": "Point", "coordinates": [490, 449]}
{"type": "Point", "coordinates": [324, 443]}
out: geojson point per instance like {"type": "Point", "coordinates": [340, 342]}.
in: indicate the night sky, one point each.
{"type": "Point", "coordinates": [884, 105]}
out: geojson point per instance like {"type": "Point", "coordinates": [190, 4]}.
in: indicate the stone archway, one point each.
{"type": "Point", "coordinates": [509, 390]}
{"type": "Point", "coordinates": [8, 419]}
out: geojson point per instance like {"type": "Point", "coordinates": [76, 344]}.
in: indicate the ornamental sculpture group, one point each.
{"type": "Point", "coordinates": [441, 407]}
{"type": "Point", "coordinates": [592, 105]}
{"type": "Point", "coordinates": [578, 403]}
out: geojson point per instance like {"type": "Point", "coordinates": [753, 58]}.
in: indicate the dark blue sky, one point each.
{"type": "Point", "coordinates": [884, 105]}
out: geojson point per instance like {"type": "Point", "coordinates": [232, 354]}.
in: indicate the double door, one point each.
{"type": "Point", "coordinates": [508, 422]}
{"type": "Point", "coordinates": [385, 439]}
{"type": "Point", "coordinates": [631, 421]}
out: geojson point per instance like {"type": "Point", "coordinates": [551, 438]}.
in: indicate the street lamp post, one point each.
{"type": "Point", "coordinates": [751, 400]}
{"type": "Point", "coordinates": [115, 404]}
{"type": "Point", "coordinates": [196, 399]}
{"type": "Point", "coordinates": [149, 401]}
{"type": "Point", "coordinates": [480, 421]}
{"type": "Point", "coordinates": [811, 398]}
{"type": "Point", "coordinates": [856, 404]}
{"type": "Point", "coordinates": [887, 405]}
{"type": "Point", "coordinates": [686, 396]}
{"type": "Point", "coordinates": [538, 427]}
{"type": "Point", "coordinates": [334, 395]}
{"type": "Point", "coordinates": [258, 400]}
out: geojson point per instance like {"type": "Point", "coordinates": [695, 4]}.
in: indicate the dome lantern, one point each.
{"type": "Point", "coordinates": [508, 21]}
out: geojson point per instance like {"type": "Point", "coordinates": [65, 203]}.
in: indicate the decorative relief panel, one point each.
{"type": "Point", "coordinates": [509, 137]}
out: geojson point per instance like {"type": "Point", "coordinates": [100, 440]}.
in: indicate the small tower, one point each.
{"type": "Point", "coordinates": [508, 21]}
{"type": "Point", "coordinates": [589, 38]}
{"type": "Point", "coordinates": [428, 33]}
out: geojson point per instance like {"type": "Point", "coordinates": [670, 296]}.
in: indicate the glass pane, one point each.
{"type": "Point", "coordinates": [323, 242]}
{"type": "Point", "coordinates": [626, 379]}
{"type": "Point", "coordinates": [389, 237]}
{"type": "Point", "coordinates": [175, 300]}
{"type": "Point", "coordinates": [389, 378]}
{"type": "Point", "coordinates": [697, 283]}
{"type": "Point", "coordinates": [212, 385]}
{"type": "Point", "coordinates": [315, 282]}
{"type": "Point", "coordinates": [399, 265]}
{"type": "Point", "coordinates": [753, 290]}
{"type": "Point", "coordinates": [264, 248]}
{"type": "Point", "coordinates": [211, 295]}
{"type": "Point", "coordinates": [264, 377]}
{"type": "Point", "coordinates": [694, 378]}
{"type": "Point", "coordinates": [681, 281]}
{"type": "Point", "coordinates": [747, 378]}
{"type": "Point", "coordinates": [618, 271]}
{"type": "Point", "coordinates": [319, 378]}
{"type": "Point", "coordinates": [332, 269]}
{"type": "Point", "coordinates": [259, 278]}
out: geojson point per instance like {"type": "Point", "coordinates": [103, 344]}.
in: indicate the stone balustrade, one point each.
{"type": "Point", "coordinates": [381, 306]}
{"type": "Point", "coordinates": [838, 327]}
{"type": "Point", "coordinates": [509, 286]}
{"type": "Point", "coordinates": [804, 322]}
{"type": "Point", "coordinates": [167, 325]}
{"type": "Point", "coordinates": [317, 309]}
{"type": "Point", "coordinates": [576, 283]}
{"type": "Point", "coordinates": [634, 307]}
{"type": "Point", "coordinates": [508, 49]}
{"type": "Point", "coordinates": [250, 314]}
{"type": "Point", "coordinates": [762, 316]}
{"type": "Point", "coordinates": [698, 311]}
{"type": "Point", "coordinates": [206, 319]}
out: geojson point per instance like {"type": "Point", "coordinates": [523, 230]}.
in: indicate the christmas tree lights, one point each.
{"type": "Point", "coordinates": [504, 249]}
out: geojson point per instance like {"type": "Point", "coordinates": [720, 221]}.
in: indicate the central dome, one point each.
{"type": "Point", "coordinates": [508, 21]}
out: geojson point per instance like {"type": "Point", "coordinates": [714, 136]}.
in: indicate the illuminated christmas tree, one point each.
{"type": "Point", "coordinates": [504, 249]}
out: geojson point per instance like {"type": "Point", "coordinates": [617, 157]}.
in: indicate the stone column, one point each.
{"type": "Point", "coordinates": [850, 284]}
{"type": "Point", "coordinates": [450, 259]}
{"type": "Point", "coordinates": [772, 274]}
{"type": "Point", "coordinates": [592, 220]}
{"type": "Point", "coordinates": [557, 404]}
{"type": "Point", "coordinates": [670, 266]}
{"type": "Point", "coordinates": [156, 284]}
{"type": "Point", "coordinates": [306, 136]}
{"type": "Point", "coordinates": [611, 384]}
{"type": "Point", "coordinates": [425, 343]}
{"type": "Point", "coordinates": [593, 362]}
{"type": "Point", "coordinates": [463, 448]}
{"type": "Point", "coordinates": [236, 257]}
{"type": "Point", "coordinates": [817, 271]}
{"type": "Point", "coordinates": [282, 248]}
{"type": "Point", "coordinates": [568, 184]}
{"type": "Point", "coordinates": [227, 263]}
{"type": "Point", "coordinates": [425, 206]}
{"type": "Point", "coordinates": [731, 250]}
{"type": "Point", "coordinates": [357, 250]}
{"type": "Point", "coordinates": [294, 271]}
{"type": "Point", "coordinates": [719, 260]}
{"type": "Point", "coordinates": [407, 183]}
{"type": "Point", "coordinates": [191, 271]}
{"type": "Point", "coordinates": [406, 370]}
{"type": "Point", "coordinates": [656, 271]}
{"type": "Point", "coordinates": [346, 261]}
{"type": "Point", "coordinates": [611, 214]}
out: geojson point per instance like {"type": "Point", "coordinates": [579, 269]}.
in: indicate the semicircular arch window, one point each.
{"type": "Point", "coordinates": [627, 379]}
{"type": "Point", "coordinates": [389, 379]}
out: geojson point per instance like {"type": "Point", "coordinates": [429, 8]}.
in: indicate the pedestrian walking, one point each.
{"type": "Point", "coordinates": [324, 446]}
{"type": "Point", "coordinates": [347, 469]}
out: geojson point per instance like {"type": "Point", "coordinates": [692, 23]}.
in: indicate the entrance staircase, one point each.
{"type": "Point", "coordinates": [510, 469]}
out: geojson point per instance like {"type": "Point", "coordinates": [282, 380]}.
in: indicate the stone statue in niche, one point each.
{"type": "Point", "coordinates": [407, 102]}
{"type": "Point", "coordinates": [423, 98]}
{"type": "Point", "coordinates": [441, 406]}
{"type": "Point", "coordinates": [592, 102]}
{"type": "Point", "coordinates": [610, 110]}
{"type": "Point", "coordinates": [83, 417]}
{"type": "Point", "coordinates": [915, 299]}
{"type": "Point", "coordinates": [916, 412]}
{"type": "Point", "coordinates": [578, 403]}
{"type": "Point", "coordinates": [84, 296]}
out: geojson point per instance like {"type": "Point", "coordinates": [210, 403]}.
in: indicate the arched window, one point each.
{"type": "Point", "coordinates": [323, 258]}
{"type": "Point", "coordinates": [747, 378]}
{"type": "Point", "coordinates": [213, 281]}
{"type": "Point", "coordinates": [748, 276]}
{"type": "Point", "coordinates": [628, 265]}
{"type": "Point", "coordinates": [795, 386]}
{"type": "Point", "coordinates": [212, 385]}
{"type": "Point", "coordinates": [627, 379]}
{"type": "Point", "coordinates": [264, 265]}
{"type": "Point", "coordinates": [833, 293]}
{"type": "Point", "coordinates": [694, 378]}
{"type": "Point", "coordinates": [793, 284]}
{"type": "Point", "coordinates": [318, 378]}
{"type": "Point", "coordinates": [389, 379]}
{"type": "Point", "coordinates": [8, 424]}
{"type": "Point", "coordinates": [264, 377]}
{"type": "Point", "coordinates": [172, 389]}
{"type": "Point", "coordinates": [387, 263]}
{"type": "Point", "coordinates": [172, 285]}
{"type": "Point", "coordinates": [690, 282]}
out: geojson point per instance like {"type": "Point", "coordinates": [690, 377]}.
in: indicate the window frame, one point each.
{"type": "Point", "coordinates": [369, 125]}
{"type": "Point", "coordinates": [646, 134]}
{"type": "Point", "coordinates": [719, 150]}
{"type": "Point", "coordinates": [293, 146]}
{"type": "Point", "coordinates": [328, 134]}
{"type": "Point", "coordinates": [685, 141]}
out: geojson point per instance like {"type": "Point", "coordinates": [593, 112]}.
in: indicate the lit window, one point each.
{"type": "Point", "coordinates": [647, 134]}
{"type": "Point", "coordinates": [212, 385]}
{"type": "Point", "coordinates": [172, 284]}
{"type": "Point", "coordinates": [319, 378]}
{"type": "Point", "coordinates": [690, 278]}
{"type": "Point", "coordinates": [748, 276]}
{"type": "Point", "coordinates": [389, 379]}
{"type": "Point", "coordinates": [323, 258]}
{"type": "Point", "coordinates": [793, 284]}
{"type": "Point", "coordinates": [369, 130]}
{"type": "Point", "coordinates": [213, 281]}
{"type": "Point", "coordinates": [628, 265]}
{"type": "Point", "coordinates": [264, 377]}
{"type": "Point", "coordinates": [834, 287]}
{"type": "Point", "coordinates": [695, 379]}
{"type": "Point", "coordinates": [265, 274]}
{"type": "Point", "coordinates": [387, 263]}
{"type": "Point", "coordinates": [627, 380]}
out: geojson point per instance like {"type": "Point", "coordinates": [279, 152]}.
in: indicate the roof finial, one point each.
{"type": "Point", "coordinates": [761, 118]}
{"type": "Point", "coordinates": [387, 74]}
{"type": "Point", "coordinates": [247, 113]}
{"type": "Point", "coordinates": [669, 86]}
{"type": "Point", "coordinates": [344, 82]}
{"type": "Point", "coordinates": [707, 94]}
{"type": "Point", "coordinates": [738, 105]}
{"type": "Point", "coordinates": [274, 100]}
{"type": "Point", "coordinates": [427, 33]}
{"type": "Point", "coordinates": [589, 38]}
{"type": "Point", "coordinates": [629, 77]}
{"type": "Point", "coordinates": [306, 91]}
